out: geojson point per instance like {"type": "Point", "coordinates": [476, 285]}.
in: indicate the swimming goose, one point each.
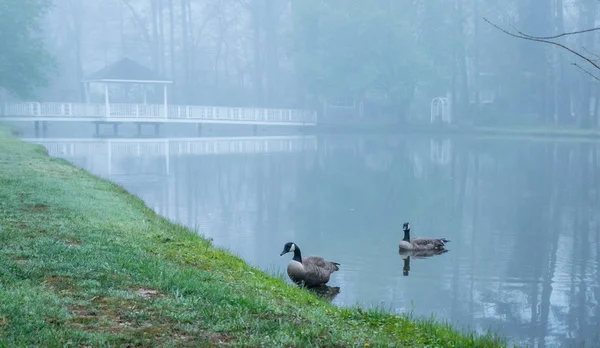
{"type": "Point", "coordinates": [420, 243]}
{"type": "Point", "coordinates": [310, 270]}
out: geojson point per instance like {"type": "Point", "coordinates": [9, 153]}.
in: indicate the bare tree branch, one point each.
{"type": "Point", "coordinates": [585, 71]}
{"type": "Point", "coordinates": [531, 38]}
{"type": "Point", "coordinates": [555, 36]}
{"type": "Point", "coordinates": [592, 53]}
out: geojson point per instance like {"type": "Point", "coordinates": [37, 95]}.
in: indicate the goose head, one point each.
{"type": "Point", "coordinates": [289, 247]}
{"type": "Point", "coordinates": [406, 229]}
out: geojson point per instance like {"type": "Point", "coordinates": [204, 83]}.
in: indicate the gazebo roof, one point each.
{"type": "Point", "coordinates": [126, 71]}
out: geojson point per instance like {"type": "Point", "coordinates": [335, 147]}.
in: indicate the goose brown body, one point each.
{"type": "Point", "coordinates": [311, 270]}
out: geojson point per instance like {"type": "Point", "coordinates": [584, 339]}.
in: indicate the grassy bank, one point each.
{"type": "Point", "coordinates": [84, 263]}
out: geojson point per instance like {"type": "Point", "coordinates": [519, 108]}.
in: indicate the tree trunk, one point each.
{"type": "Point", "coordinates": [154, 27]}
{"type": "Point", "coordinates": [258, 68]}
{"type": "Point", "coordinates": [586, 20]}
{"type": "Point", "coordinates": [161, 37]}
{"type": "Point", "coordinates": [562, 94]}
{"type": "Point", "coordinates": [171, 39]}
{"type": "Point", "coordinates": [476, 86]}
{"type": "Point", "coordinates": [535, 19]}
{"type": "Point", "coordinates": [461, 89]}
{"type": "Point", "coordinates": [271, 50]}
{"type": "Point", "coordinates": [185, 52]}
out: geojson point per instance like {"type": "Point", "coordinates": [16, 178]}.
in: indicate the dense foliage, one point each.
{"type": "Point", "coordinates": [24, 62]}
{"type": "Point", "coordinates": [363, 49]}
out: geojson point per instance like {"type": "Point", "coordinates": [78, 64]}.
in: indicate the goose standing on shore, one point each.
{"type": "Point", "coordinates": [310, 270]}
{"type": "Point", "coordinates": [420, 243]}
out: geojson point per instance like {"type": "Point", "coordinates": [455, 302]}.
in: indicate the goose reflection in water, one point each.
{"type": "Point", "coordinates": [328, 293]}
{"type": "Point", "coordinates": [417, 254]}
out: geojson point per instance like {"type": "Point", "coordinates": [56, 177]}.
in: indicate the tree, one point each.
{"type": "Point", "coordinates": [579, 93]}
{"type": "Point", "coordinates": [359, 50]}
{"type": "Point", "coordinates": [24, 61]}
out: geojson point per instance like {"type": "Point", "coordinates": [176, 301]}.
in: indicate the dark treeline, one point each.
{"type": "Point", "coordinates": [386, 58]}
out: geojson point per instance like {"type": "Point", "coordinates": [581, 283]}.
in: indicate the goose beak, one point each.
{"type": "Point", "coordinates": [283, 252]}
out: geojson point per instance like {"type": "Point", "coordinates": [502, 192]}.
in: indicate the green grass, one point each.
{"type": "Point", "coordinates": [84, 263]}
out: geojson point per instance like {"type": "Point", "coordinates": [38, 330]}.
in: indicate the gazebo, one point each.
{"type": "Point", "coordinates": [125, 71]}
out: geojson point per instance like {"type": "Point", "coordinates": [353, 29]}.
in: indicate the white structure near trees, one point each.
{"type": "Point", "coordinates": [440, 110]}
{"type": "Point", "coordinates": [126, 71]}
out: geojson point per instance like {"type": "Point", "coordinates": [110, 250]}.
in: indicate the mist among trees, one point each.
{"type": "Point", "coordinates": [389, 57]}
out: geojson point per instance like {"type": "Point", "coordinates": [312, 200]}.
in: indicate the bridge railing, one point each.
{"type": "Point", "coordinates": [98, 110]}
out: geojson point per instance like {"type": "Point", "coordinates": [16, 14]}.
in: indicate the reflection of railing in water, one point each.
{"type": "Point", "coordinates": [440, 151]}
{"type": "Point", "coordinates": [176, 146]}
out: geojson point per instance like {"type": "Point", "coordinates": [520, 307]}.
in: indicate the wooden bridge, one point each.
{"type": "Point", "coordinates": [155, 114]}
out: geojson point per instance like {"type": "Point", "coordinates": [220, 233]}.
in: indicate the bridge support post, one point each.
{"type": "Point", "coordinates": [156, 129]}
{"type": "Point", "coordinates": [116, 128]}
{"type": "Point", "coordinates": [36, 126]}
{"type": "Point", "coordinates": [254, 129]}
{"type": "Point", "coordinates": [199, 129]}
{"type": "Point", "coordinates": [139, 129]}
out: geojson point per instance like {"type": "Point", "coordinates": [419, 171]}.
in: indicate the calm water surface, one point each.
{"type": "Point", "coordinates": [522, 217]}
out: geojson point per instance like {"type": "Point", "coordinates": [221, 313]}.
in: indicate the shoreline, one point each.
{"type": "Point", "coordinates": [520, 132]}
{"type": "Point", "coordinates": [86, 262]}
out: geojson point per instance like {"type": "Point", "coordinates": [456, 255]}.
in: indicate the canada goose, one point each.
{"type": "Point", "coordinates": [310, 270]}
{"type": "Point", "coordinates": [420, 243]}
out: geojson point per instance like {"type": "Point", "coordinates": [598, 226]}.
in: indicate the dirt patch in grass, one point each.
{"type": "Point", "coordinates": [29, 231]}
{"type": "Point", "coordinates": [36, 208]}
{"type": "Point", "coordinates": [148, 293]}
{"type": "Point", "coordinates": [60, 284]}
{"type": "Point", "coordinates": [71, 242]}
{"type": "Point", "coordinates": [104, 314]}
{"type": "Point", "coordinates": [117, 316]}
{"type": "Point", "coordinates": [219, 338]}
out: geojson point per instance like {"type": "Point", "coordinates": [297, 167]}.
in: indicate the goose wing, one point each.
{"type": "Point", "coordinates": [318, 269]}
{"type": "Point", "coordinates": [429, 242]}
{"type": "Point", "coordinates": [322, 263]}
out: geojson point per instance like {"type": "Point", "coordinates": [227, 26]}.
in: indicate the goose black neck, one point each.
{"type": "Point", "coordinates": [406, 236]}
{"type": "Point", "coordinates": [297, 255]}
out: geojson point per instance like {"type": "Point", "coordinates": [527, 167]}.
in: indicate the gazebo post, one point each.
{"type": "Point", "coordinates": [165, 100]}
{"type": "Point", "coordinates": [106, 103]}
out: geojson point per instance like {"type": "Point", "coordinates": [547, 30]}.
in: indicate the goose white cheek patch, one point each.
{"type": "Point", "coordinates": [293, 247]}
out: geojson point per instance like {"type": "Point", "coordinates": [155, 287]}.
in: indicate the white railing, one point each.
{"type": "Point", "coordinates": [175, 147]}
{"type": "Point", "coordinates": [440, 110]}
{"type": "Point", "coordinates": [157, 111]}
